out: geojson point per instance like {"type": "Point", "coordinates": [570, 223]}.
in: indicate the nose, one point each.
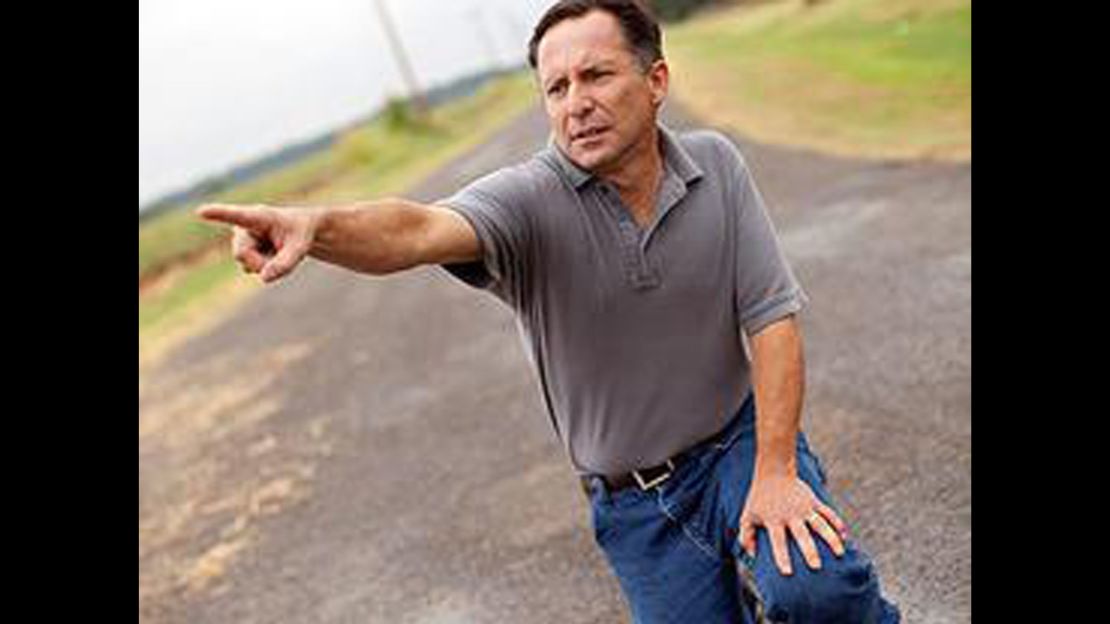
{"type": "Point", "coordinates": [580, 100]}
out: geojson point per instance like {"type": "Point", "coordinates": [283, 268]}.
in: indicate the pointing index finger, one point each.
{"type": "Point", "coordinates": [245, 216]}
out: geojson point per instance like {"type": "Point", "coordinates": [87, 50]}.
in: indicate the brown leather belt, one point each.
{"type": "Point", "coordinates": [647, 478]}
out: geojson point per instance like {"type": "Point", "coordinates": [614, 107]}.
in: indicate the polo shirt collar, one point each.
{"type": "Point", "coordinates": [677, 156]}
{"type": "Point", "coordinates": [674, 156]}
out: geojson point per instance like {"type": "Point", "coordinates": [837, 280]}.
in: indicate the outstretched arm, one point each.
{"type": "Point", "coordinates": [378, 237]}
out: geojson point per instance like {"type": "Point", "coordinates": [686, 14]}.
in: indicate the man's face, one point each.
{"type": "Point", "coordinates": [600, 103]}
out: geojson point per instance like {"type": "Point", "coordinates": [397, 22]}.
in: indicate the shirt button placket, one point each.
{"type": "Point", "coordinates": [635, 263]}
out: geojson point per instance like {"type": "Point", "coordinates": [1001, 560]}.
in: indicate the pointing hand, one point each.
{"type": "Point", "coordinates": [266, 240]}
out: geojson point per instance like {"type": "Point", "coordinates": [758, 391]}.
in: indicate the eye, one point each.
{"type": "Point", "coordinates": [556, 89]}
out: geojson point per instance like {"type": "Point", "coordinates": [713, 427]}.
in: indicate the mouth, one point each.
{"type": "Point", "coordinates": [588, 133]}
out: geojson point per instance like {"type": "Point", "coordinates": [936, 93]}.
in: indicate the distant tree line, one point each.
{"type": "Point", "coordinates": [676, 10]}
{"type": "Point", "coordinates": [673, 10]}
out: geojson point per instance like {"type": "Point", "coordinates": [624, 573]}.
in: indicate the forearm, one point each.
{"type": "Point", "coordinates": [778, 380]}
{"type": "Point", "coordinates": [377, 237]}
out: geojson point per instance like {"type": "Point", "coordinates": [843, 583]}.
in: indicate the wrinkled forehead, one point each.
{"type": "Point", "coordinates": [580, 42]}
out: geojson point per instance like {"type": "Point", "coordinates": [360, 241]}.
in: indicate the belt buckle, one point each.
{"type": "Point", "coordinates": [657, 480]}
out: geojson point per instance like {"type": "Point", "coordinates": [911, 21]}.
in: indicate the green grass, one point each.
{"type": "Point", "coordinates": [191, 285]}
{"type": "Point", "coordinates": [170, 237]}
{"type": "Point", "coordinates": [374, 160]}
{"type": "Point", "coordinates": [866, 77]}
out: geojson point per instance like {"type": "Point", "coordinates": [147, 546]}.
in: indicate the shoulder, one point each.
{"type": "Point", "coordinates": [516, 186]}
{"type": "Point", "coordinates": [726, 171]}
{"type": "Point", "coordinates": [708, 144]}
{"type": "Point", "coordinates": [720, 159]}
{"type": "Point", "coordinates": [713, 150]}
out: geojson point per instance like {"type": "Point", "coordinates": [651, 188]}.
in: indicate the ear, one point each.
{"type": "Point", "coordinates": [659, 78]}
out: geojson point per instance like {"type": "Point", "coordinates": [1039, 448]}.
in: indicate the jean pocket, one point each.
{"type": "Point", "coordinates": [597, 522]}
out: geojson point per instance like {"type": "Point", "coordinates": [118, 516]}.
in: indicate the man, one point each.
{"type": "Point", "coordinates": [637, 261]}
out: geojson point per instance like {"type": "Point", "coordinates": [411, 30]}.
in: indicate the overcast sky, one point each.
{"type": "Point", "coordinates": [222, 81]}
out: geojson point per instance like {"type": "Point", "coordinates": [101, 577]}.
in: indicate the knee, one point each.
{"type": "Point", "coordinates": [840, 592]}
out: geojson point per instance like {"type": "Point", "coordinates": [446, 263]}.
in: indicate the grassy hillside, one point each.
{"type": "Point", "coordinates": [185, 268]}
{"type": "Point", "coordinates": [872, 78]}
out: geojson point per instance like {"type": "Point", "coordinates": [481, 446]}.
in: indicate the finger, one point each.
{"type": "Point", "coordinates": [246, 250]}
{"type": "Point", "coordinates": [747, 535]}
{"type": "Point", "coordinates": [800, 531]}
{"type": "Point", "coordinates": [245, 216]}
{"type": "Point", "coordinates": [251, 261]}
{"type": "Point", "coordinates": [830, 514]}
{"type": "Point", "coordinates": [822, 527]}
{"type": "Point", "coordinates": [779, 549]}
{"type": "Point", "coordinates": [282, 263]}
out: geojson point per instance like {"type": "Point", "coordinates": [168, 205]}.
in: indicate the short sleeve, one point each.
{"type": "Point", "coordinates": [496, 207]}
{"type": "Point", "coordinates": [766, 289]}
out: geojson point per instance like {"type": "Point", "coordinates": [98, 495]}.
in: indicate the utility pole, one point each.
{"type": "Point", "coordinates": [402, 59]}
{"type": "Point", "coordinates": [492, 58]}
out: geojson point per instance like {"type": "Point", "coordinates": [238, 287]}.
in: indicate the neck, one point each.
{"type": "Point", "coordinates": [636, 174]}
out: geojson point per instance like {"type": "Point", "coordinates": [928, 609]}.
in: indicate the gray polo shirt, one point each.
{"type": "Point", "coordinates": [634, 333]}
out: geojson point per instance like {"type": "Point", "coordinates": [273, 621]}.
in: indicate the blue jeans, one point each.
{"type": "Point", "coordinates": [675, 552]}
